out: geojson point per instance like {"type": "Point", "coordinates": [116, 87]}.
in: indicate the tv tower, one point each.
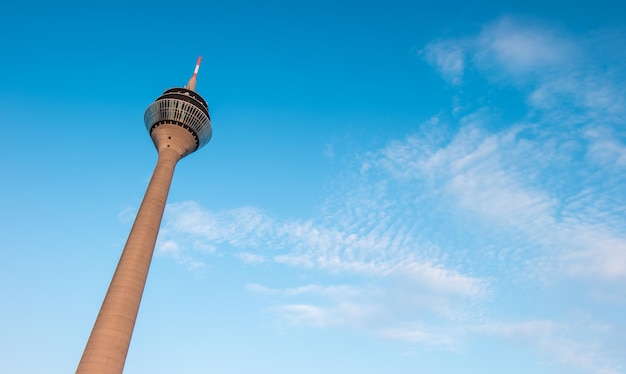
{"type": "Point", "coordinates": [178, 123]}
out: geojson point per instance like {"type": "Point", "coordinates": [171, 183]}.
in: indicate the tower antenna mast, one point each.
{"type": "Point", "coordinates": [192, 81]}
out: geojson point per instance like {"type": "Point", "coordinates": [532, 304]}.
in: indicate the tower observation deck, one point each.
{"type": "Point", "coordinates": [181, 107]}
{"type": "Point", "coordinates": [179, 124]}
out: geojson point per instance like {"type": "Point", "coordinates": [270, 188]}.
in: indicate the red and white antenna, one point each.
{"type": "Point", "coordinates": [191, 85]}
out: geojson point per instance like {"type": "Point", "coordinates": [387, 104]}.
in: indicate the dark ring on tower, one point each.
{"type": "Point", "coordinates": [181, 107]}
{"type": "Point", "coordinates": [188, 96]}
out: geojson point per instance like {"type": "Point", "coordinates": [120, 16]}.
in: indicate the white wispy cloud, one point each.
{"type": "Point", "coordinates": [389, 258]}
{"type": "Point", "coordinates": [558, 340]}
{"type": "Point", "coordinates": [250, 258]}
{"type": "Point", "coordinates": [127, 214]}
{"type": "Point", "coordinates": [548, 185]}
{"type": "Point", "coordinates": [480, 172]}
{"type": "Point", "coordinates": [334, 291]}
{"type": "Point", "coordinates": [605, 148]}
{"type": "Point", "coordinates": [170, 248]}
{"type": "Point", "coordinates": [521, 47]}
{"type": "Point", "coordinates": [379, 251]}
{"type": "Point", "coordinates": [421, 335]}
{"type": "Point", "coordinates": [548, 175]}
{"type": "Point", "coordinates": [448, 58]}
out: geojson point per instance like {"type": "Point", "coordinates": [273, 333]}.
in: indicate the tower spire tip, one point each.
{"type": "Point", "coordinates": [192, 81]}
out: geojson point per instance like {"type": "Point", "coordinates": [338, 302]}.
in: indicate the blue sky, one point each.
{"type": "Point", "coordinates": [391, 187]}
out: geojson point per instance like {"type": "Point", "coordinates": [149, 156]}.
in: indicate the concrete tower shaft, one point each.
{"type": "Point", "coordinates": [179, 124]}
{"type": "Point", "coordinates": [107, 347]}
